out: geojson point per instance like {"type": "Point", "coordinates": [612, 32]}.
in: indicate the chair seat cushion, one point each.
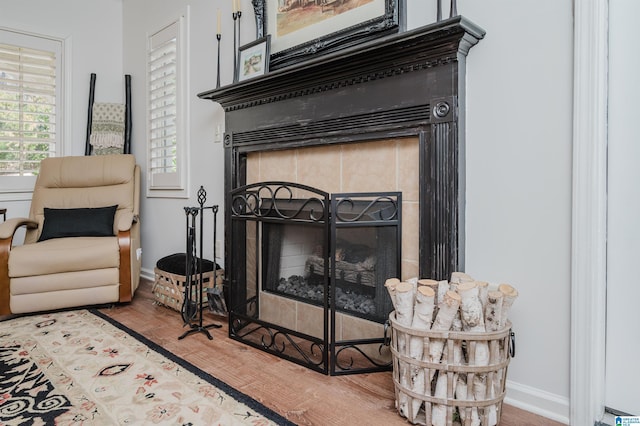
{"type": "Point", "coordinates": [61, 255]}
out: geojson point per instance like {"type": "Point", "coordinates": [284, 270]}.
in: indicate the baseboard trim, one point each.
{"type": "Point", "coordinates": [147, 274]}
{"type": "Point", "coordinates": [542, 403]}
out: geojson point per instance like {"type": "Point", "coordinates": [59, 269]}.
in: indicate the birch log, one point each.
{"type": "Point", "coordinates": [404, 303]}
{"type": "Point", "coordinates": [473, 321]}
{"type": "Point", "coordinates": [471, 307]}
{"type": "Point", "coordinates": [493, 311]}
{"type": "Point", "coordinates": [458, 278]}
{"type": "Point", "coordinates": [443, 287]}
{"type": "Point", "coordinates": [446, 313]}
{"type": "Point", "coordinates": [447, 309]}
{"type": "Point", "coordinates": [463, 395]}
{"type": "Point", "coordinates": [439, 411]}
{"type": "Point", "coordinates": [433, 284]}
{"type": "Point", "coordinates": [404, 316]}
{"type": "Point", "coordinates": [510, 295]}
{"type": "Point", "coordinates": [422, 316]}
{"type": "Point", "coordinates": [390, 285]}
{"type": "Point", "coordinates": [483, 290]}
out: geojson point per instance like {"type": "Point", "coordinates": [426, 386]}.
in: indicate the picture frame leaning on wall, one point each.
{"type": "Point", "coordinates": [253, 59]}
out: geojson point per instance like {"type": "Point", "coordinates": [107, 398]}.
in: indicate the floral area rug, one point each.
{"type": "Point", "coordinates": [83, 368]}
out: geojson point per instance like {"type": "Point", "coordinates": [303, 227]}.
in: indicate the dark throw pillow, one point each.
{"type": "Point", "coordinates": [84, 222]}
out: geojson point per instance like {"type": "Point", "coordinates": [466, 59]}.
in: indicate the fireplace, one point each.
{"type": "Point", "coordinates": [298, 260]}
{"type": "Point", "coordinates": [317, 255]}
{"type": "Point", "coordinates": [386, 116]}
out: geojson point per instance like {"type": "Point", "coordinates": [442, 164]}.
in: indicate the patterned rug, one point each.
{"type": "Point", "coordinates": [83, 368]}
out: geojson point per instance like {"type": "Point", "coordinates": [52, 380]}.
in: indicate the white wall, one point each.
{"type": "Point", "coordinates": [92, 31]}
{"type": "Point", "coordinates": [518, 217]}
{"type": "Point", "coordinates": [163, 219]}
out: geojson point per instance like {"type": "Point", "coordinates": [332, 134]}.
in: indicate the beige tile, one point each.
{"type": "Point", "coordinates": [278, 165]}
{"type": "Point", "coordinates": [410, 269]}
{"type": "Point", "coordinates": [310, 320]}
{"type": "Point", "coordinates": [369, 167]}
{"type": "Point", "coordinates": [320, 167]}
{"type": "Point", "coordinates": [251, 260]}
{"type": "Point", "coordinates": [410, 230]}
{"type": "Point", "coordinates": [251, 268]}
{"type": "Point", "coordinates": [277, 310]}
{"type": "Point", "coordinates": [339, 335]}
{"type": "Point", "coordinates": [253, 167]}
{"type": "Point", "coordinates": [408, 169]}
{"type": "Point", "coordinates": [358, 328]}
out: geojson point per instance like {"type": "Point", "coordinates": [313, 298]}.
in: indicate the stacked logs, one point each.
{"type": "Point", "coordinates": [458, 306]}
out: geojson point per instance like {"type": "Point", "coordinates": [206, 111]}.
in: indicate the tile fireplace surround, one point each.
{"type": "Point", "coordinates": [384, 116]}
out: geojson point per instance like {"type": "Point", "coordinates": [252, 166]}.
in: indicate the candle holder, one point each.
{"type": "Point", "coordinates": [239, 32]}
{"type": "Point", "coordinates": [236, 40]}
{"type": "Point", "coordinates": [218, 37]}
{"type": "Point", "coordinates": [235, 47]}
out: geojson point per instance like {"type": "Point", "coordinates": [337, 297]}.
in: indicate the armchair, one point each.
{"type": "Point", "coordinates": [82, 237]}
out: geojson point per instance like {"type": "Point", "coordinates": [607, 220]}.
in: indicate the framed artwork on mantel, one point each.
{"type": "Point", "coordinates": [253, 59]}
{"type": "Point", "coordinates": [304, 29]}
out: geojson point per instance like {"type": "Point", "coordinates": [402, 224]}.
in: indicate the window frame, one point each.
{"type": "Point", "coordinates": [172, 185]}
{"type": "Point", "coordinates": [20, 188]}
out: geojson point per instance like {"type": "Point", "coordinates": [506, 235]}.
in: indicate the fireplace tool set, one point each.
{"type": "Point", "coordinates": [193, 290]}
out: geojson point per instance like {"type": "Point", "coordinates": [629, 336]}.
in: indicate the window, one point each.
{"type": "Point", "coordinates": [167, 111]}
{"type": "Point", "coordinates": [30, 106]}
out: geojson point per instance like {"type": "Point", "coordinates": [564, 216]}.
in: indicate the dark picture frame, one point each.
{"type": "Point", "coordinates": [329, 39]}
{"type": "Point", "coordinates": [253, 59]}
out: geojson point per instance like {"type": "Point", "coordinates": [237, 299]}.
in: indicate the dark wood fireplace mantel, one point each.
{"type": "Point", "coordinates": [411, 51]}
{"type": "Point", "coordinates": [410, 84]}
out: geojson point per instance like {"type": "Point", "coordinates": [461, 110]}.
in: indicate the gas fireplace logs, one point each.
{"type": "Point", "coordinates": [451, 349]}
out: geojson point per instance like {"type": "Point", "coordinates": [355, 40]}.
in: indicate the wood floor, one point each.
{"type": "Point", "coordinates": [301, 395]}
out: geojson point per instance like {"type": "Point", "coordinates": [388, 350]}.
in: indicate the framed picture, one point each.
{"type": "Point", "coordinates": [253, 58]}
{"type": "Point", "coordinates": [303, 29]}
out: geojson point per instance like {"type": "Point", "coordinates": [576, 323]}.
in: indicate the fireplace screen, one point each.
{"type": "Point", "coordinates": [308, 273]}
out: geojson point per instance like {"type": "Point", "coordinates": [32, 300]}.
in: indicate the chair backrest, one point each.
{"type": "Point", "coordinates": [85, 182]}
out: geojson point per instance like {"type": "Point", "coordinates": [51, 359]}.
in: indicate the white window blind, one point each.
{"type": "Point", "coordinates": [29, 102]}
{"type": "Point", "coordinates": [166, 115]}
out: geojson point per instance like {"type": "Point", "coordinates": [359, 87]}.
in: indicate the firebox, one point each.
{"type": "Point", "coordinates": [313, 263]}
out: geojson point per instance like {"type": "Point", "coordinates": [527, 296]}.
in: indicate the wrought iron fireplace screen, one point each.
{"type": "Point", "coordinates": [334, 253]}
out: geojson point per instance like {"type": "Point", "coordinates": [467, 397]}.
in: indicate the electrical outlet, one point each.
{"type": "Point", "coordinates": [218, 135]}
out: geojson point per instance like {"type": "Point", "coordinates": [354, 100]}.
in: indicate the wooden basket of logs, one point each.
{"type": "Point", "coordinates": [451, 344]}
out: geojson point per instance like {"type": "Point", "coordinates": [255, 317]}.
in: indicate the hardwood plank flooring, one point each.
{"type": "Point", "coordinates": [303, 396]}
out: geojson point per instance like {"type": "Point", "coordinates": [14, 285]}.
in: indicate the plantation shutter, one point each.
{"type": "Point", "coordinates": [29, 110]}
{"type": "Point", "coordinates": [164, 118]}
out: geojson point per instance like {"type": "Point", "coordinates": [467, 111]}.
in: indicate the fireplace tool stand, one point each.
{"type": "Point", "coordinates": [192, 306]}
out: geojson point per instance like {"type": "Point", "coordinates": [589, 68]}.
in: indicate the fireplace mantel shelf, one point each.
{"type": "Point", "coordinates": [406, 52]}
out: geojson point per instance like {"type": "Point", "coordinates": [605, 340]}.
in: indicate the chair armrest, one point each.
{"type": "Point", "coordinates": [8, 228]}
{"type": "Point", "coordinates": [126, 220]}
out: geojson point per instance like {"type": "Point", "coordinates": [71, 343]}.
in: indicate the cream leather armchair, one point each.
{"type": "Point", "coordinates": [82, 238]}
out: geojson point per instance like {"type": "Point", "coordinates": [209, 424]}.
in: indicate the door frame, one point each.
{"type": "Point", "coordinates": [589, 212]}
